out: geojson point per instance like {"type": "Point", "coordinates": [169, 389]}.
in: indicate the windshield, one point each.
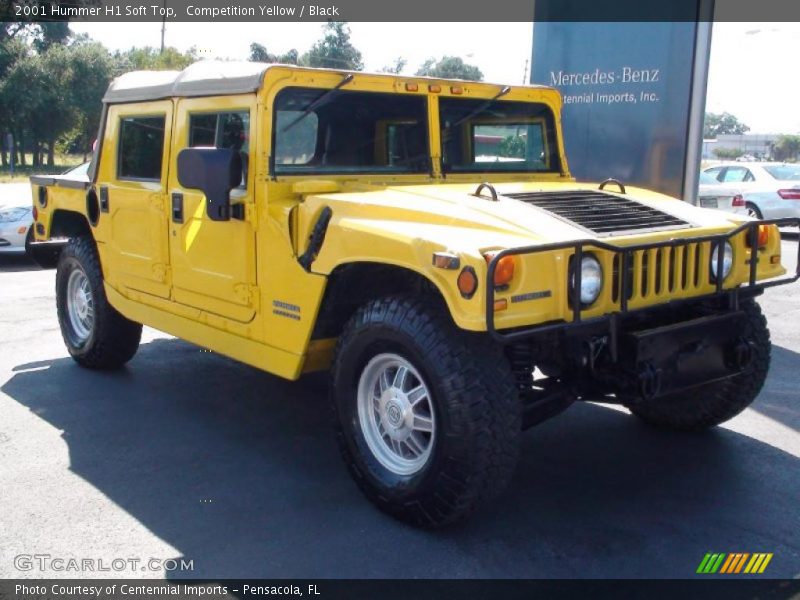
{"type": "Point", "coordinates": [349, 132]}
{"type": "Point", "coordinates": [784, 172]}
{"type": "Point", "coordinates": [497, 136]}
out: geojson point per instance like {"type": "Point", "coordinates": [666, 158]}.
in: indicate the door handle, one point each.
{"type": "Point", "coordinates": [104, 198]}
{"type": "Point", "coordinates": [177, 207]}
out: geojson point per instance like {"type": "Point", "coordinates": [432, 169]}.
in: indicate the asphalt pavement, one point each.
{"type": "Point", "coordinates": [189, 455]}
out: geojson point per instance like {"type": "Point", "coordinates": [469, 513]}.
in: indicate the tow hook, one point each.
{"type": "Point", "coordinates": [649, 381]}
{"type": "Point", "coordinates": [741, 355]}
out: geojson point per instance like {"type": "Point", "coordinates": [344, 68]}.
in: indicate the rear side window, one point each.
{"type": "Point", "coordinates": [141, 147]}
{"type": "Point", "coordinates": [230, 130]}
{"type": "Point", "coordinates": [737, 175]}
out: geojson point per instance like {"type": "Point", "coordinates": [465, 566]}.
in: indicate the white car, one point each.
{"type": "Point", "coordinates": [770, 190]}
{"type": "Point", "coordinates": [16, 217]}
{"type": "Point", "coordinates": [711, 194]}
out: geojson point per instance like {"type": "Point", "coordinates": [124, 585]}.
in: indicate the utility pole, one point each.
{"type": "Point", "coordinates": [525, 72]}
{"type": "Point", "coordinates": [163, 26]}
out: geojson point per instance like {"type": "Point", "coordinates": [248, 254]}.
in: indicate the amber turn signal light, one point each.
{"type": "Point", "coordinates": [504, 271]}
{"type": "Point", "coordinates": [467, 282]}
{"type": "Point", "coordinates": [501, 304]}
{"type": "Point", "coordinates": [412, 87]}
{"type": "Point", "coordinates": [763, 236]}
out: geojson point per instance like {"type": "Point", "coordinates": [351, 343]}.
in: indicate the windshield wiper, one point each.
{"type": "Point", "coordinates": [310, 108]}
{"type": "Point", "coordinates": [478, 110]}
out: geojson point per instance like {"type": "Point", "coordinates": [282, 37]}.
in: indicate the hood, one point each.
{"type": "Point", "coordinates": [524, 213]}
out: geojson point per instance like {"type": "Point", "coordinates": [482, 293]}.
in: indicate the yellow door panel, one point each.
{"type": "Point", "coordinates": [214, 262]}
{"type": "Point", "coordinates": [133, 171]}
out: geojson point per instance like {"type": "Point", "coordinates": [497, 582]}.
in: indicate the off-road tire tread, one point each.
{"type": "Point", "coordinates": [482, 397]}
{"type": "Point", "coordinates": [714, 403]}
{"type": "Point", "coordinates": [116, 339]}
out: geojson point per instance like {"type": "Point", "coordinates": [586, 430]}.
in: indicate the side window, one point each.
{"type": "Point", "coordinates": [736, 175]}
{"type": "Point", "coordinates": [714, 172]}
{"type": "Point", "coordinates": [222, 130]}
{"type": "Point", "coordinates": [141, 148]}
{"type": "Point", "coordinates": [299, 147]}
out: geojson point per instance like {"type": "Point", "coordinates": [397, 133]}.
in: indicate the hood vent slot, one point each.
{"type": "Point", "coordinates": [601, 213]}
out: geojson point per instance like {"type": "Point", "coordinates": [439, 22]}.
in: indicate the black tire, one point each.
{"type": "Point", "coordinates": [112, 339]}
{"type": "Point", "coordinates": [476, 407]}
{"type": "Point", "coordinates": [28, 242]}
{"type": "Point", "coordinates": [714, 403]}
{"type": "Point", "coordinates": [754, 210]}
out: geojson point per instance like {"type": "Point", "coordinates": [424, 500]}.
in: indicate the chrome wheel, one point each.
{"type": "Point", "coordinates": [753, 212]}
{"type": "Point", "coordinates": [395, 411]}
{"type": "Point", "coordinates": [80, 305]}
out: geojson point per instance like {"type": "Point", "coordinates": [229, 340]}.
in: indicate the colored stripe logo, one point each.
{"type": "Point", "coordinates": [734, 562]}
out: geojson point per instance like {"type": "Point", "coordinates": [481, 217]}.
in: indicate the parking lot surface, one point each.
{"type": "Point", "coordinates": [187, 454]}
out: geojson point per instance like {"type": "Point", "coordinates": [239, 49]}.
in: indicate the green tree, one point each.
{"type": "Point", "coordinates": [721, 124]}
{"type": "Point", "coordinates": [92, 69]}
{"type": "Point", "coordinates": [152, 59]}
{"type": "Point", "coordinates": [786, 147]}
{"type": "Point", "coordinates": [396, 67]}
{"type": "Point", "coordinates": [450, 67]}
{"type": "Point", "coordinates": [11, 52]}
{"type": "Point", "coordinates": [39, 100]}
{"type": "Point", "coordinates": [512, 146]}
{"type": "Point", "coordinates": [334, 50]}
{"type": "Point", "coordinates": [727, 153]}
{"type": "Point", "coordinates": [259, 53]}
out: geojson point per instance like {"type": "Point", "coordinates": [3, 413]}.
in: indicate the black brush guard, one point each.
{"type": "Point", "coordinates": [623, 253]}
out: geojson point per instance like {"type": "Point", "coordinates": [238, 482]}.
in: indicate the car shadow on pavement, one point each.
{"type": "Point", "coordinates": [16, 263]}
{"type": "Point", "coordinates": [780, 399]}
{"type": "Point", "coordinates": [239, 471]}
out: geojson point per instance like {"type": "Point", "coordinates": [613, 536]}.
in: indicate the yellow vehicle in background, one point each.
{"type": "Point", "coordinates": [422, 239]}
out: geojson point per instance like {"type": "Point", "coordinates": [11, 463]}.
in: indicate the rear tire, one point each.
{"type": "Point", "coordinates": [754, 211]}
{"type": "Point", "coordinates": [96, 335]}
{"type": "Point", "coordinates": [709, 405]}
{"type": "Point", "coordinates": [467, 446]}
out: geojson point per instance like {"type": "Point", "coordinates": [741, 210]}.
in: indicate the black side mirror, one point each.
{"type": "Point", "coordinates": [214, 171]}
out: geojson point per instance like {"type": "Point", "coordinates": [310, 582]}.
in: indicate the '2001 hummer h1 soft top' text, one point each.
{"type": "Point", "coordinates": [422, 239]}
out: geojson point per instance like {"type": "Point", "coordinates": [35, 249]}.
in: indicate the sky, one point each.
{"type": "Point", "coordinates": [752, 74]}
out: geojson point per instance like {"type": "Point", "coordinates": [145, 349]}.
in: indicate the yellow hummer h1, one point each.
{"type": "Point", "coordinates": [422, 239]}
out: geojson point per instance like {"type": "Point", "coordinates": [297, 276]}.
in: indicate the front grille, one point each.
{"type": "Point", "coordinates": [683, 267]}
{"type": "Point", "coordinates": [600, 213]}
{"type": "Point", "coordinates": [4, 242]}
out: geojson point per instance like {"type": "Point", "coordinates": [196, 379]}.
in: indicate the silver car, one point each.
{"type": "Point", "coordinates": [16, 217]}
{"type": "Point", "coordinates": [770, 190]}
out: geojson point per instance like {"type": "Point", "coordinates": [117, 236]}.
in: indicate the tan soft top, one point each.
{"type": "Point", "coordinates": [204, 78]}
{"type": "Point", "coordinates": [213, 78]}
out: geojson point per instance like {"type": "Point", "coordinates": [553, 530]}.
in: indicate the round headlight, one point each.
{"type": "Point", "coordinates": [591, 279]}
{"type": "Point", "coordinates": [727, 260]}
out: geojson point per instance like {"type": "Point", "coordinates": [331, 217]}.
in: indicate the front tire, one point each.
{"type": "Point", "coordinates": [709, 405]}
{"type": "Point", "coordinates": [96, 335]}
{"type": "Point", "coordinates": [427, 416]}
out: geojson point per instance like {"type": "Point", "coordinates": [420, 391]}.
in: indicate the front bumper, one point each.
{"type": "Point", "coordinates": [623, 255]}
